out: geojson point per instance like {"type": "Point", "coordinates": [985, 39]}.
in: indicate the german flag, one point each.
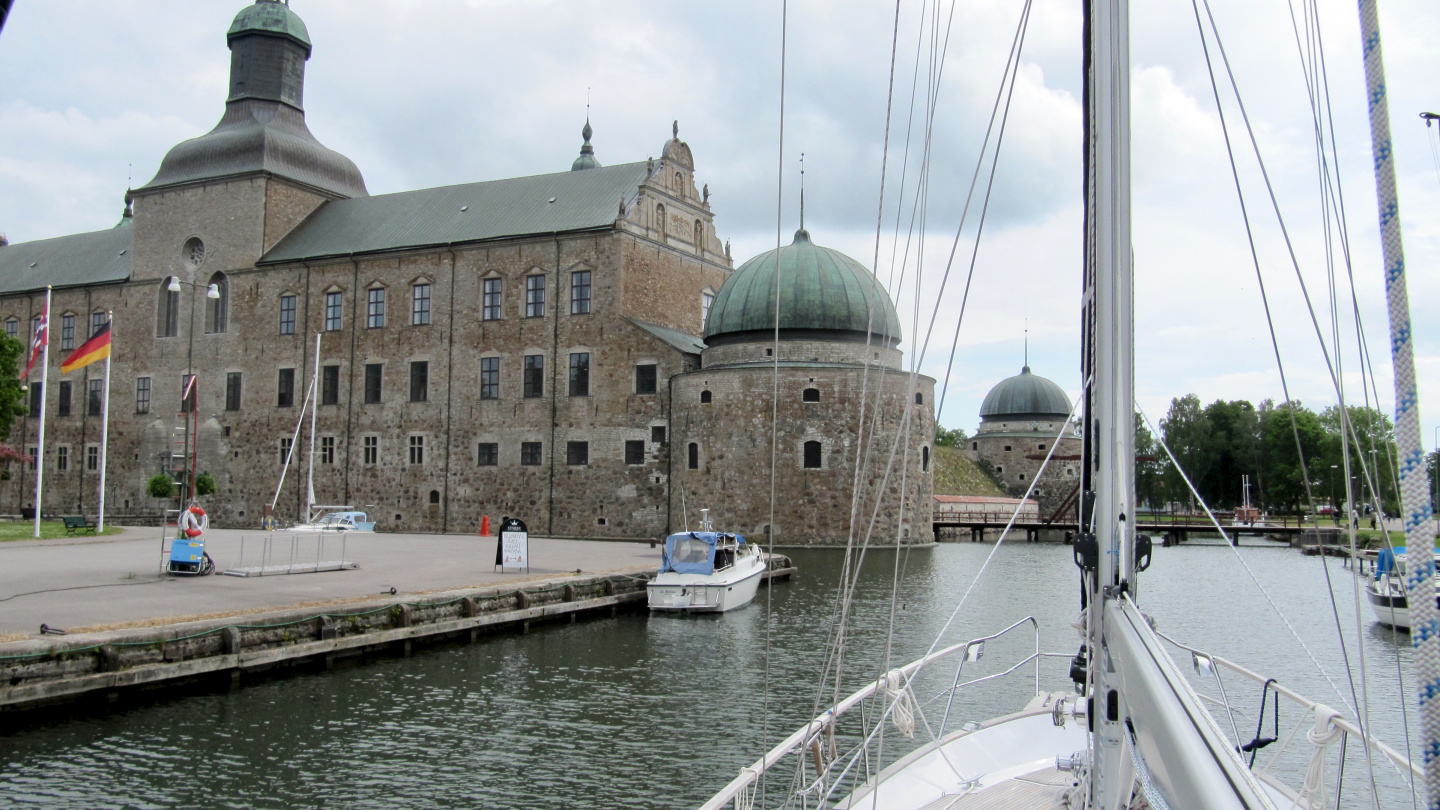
{"type": "Point", "coordinates": [96, 348]}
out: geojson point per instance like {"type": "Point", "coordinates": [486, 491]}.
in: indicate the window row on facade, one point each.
{"type": "Point", "coordinates": [487, 454]}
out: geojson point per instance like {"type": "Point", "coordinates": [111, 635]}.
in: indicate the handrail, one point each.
{"type": "Point", "coordinates": [1307, 704]}
{"type": "Point", "coordinates": [749, 775]}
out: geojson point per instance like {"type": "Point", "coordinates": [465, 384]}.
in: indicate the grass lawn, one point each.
{"type": "Point", "coordinates": [25, 530]}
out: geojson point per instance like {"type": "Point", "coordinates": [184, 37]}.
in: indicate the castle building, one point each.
{"type": "Point", "coordinates": [1020, 419]}
{"type": "Point", "coordinates": [503, 347]}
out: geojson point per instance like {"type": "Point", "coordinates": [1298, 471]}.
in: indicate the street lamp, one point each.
{"type": "Point", "coordinates": [212, 292]}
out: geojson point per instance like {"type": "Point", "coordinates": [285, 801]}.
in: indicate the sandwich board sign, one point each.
{"type": "Point", "coordinates": [514, 547]}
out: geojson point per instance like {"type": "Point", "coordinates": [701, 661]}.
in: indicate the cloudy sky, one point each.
{"type": "Point", "coordinates": [438, 92]}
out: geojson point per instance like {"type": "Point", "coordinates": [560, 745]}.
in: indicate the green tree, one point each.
{"type": "Point", "coordinates": [1187, 432]}
{"type": "Point", "coordinates": [1374, 453]}
{"type": "Point", "coordinates": [1285, 469]}
{"type": "Point", "coordinates": [1233, 442]}
{"type": "Point", "coordinates": [12, 391]}
{"type": "Point", "coordinates": [949, 438]}
{"type": "Point", "coordinates": [1150, 466]}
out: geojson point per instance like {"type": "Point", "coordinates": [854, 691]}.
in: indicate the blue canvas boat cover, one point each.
{"type": "Point", "coordinates": [1386, 561]}
{"type": "Point", "coordinates": [692, 552]}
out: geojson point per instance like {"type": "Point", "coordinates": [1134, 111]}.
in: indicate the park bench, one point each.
{"type": "Point", "coordinates": [77, 523]}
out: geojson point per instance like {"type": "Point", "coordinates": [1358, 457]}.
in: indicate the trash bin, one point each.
{"type": "Point", "coordinates": [27, 513]}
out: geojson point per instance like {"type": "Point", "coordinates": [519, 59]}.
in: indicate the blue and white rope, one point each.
{"type": "Point", "coordinates": [1414, 488]}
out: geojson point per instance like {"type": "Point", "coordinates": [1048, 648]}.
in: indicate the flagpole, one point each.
{"type": "Point", "coordinates": [44, 383]}
{"type": "Point", "coordinates": [105, 423]}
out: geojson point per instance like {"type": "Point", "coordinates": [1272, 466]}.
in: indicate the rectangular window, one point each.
{"type": "Point", "coordinates": [327, 449]}
{"type": "Point", "coordinates": [375, 308]}
{"type": "Point", "coordinates": [419, 381]}
{"type": "Point", "coordinates": [97, 320]}
{"type": "Point", "coordinates": [12, 328]}
{"type": "Point", "coordinates": [420, 305]}
{"type": "Point", "coordinates": [92, 459]}
{"type": "Point", "coordinates": [142, 394]}
{"type": "Point", "coordinates": [285, 444]}
{"type": "Point", "coordinates": [62, 408]}
{"type": "Point", "coordinates": [67, 332]}
{"type": "Point", "coordinates": [334, 305]}
{"type": "Point", "coordinates": [657, 434]}
{"type": "Point", "coordinates": [534, 376]}
{"type": "Point", "coordinates": [372, 382]}
{"type": "Point", "coordinates": [417, 449]}
{"type": "Point", "coordinates": [645, 378]}
{"type": "Point", "coordinates": [96, 401]}
{"type": "Point", "coordinates": [580, 292]}
{"type": "Point", "coordinates": [488, 455]}
{"type": "Point", "coordinates": [37, 398]}
{"type": "Point", "coordinates": [577, 454]}
{"type": "Point", "coordinates": [287, 314]}
{"type": "Point", "coordinates": [491, 311]}
{"type": "Point", "coordinates": [34, 454]}
{"type": "Point", "coordinates": [285, 389]}
{"type": "Point", "coordinates": [232, 391]}
{"type": "Point", "coordinates": [634, 451]}
{"type": "Point", "coordinates": [329, 385]}
{"type": "Point", "coordinates": [372, 449]}
{"type": "Point", "coordinates": [706, 299]}
{"type": "Point", "coordinates": [530, 454]}
{"type": "Point", "coordinates": [188, 385]}
{"type": "Point", "coordinates": [580, 374]}
{"type": "Point", "coordinates": [62, 458]}
{"type": "Point", "coordinates": [489, 378]}
{"type": "Point", "coordinates": [534, 296]}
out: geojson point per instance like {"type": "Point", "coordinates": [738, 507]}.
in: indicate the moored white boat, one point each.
{"type": "Point", "coordinates": [706, 572]}
{"type": "Point", "coordinates": [1386, 592]}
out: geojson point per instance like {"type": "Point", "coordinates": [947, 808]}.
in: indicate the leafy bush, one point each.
{"type": "Point", "coordinates": [160, 485]}
{"type": "Point", "coordinates": [205, 484]}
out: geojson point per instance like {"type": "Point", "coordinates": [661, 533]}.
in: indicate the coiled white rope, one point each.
{"type": "Point", "coordinates": [1322, 736]}
{"type": "Point", "coordinates": [1414, 495]}
{"type": "Point", "coordinates": [898, 694]}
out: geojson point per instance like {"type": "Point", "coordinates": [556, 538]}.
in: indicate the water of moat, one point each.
{"type": "Point", "coordinates": [645, 711]}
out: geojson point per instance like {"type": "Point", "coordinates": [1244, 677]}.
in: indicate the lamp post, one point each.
{"type": "Point", "coordinates": [212, 292]}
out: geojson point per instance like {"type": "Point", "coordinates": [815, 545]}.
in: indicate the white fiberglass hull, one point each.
{"type": "Point", "coordinates": [1390, 605]}
{"type": "Point", "coordinates": [734, 587]}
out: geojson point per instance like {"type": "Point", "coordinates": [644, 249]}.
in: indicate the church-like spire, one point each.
{"type": "Point", "coordinates": [587, 152]}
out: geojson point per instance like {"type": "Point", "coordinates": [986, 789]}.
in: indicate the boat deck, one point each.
{"type": "Point", "coordinates": [1043, 789]}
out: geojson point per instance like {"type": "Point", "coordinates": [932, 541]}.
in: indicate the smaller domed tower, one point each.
{"type": "Point", "coordinates": [1019, 420]}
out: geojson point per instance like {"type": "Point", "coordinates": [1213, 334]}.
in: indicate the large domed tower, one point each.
{"type": "Point", "coordinates": [837, 341]}
{"type": "Point", "coordinates": [1019, 420]}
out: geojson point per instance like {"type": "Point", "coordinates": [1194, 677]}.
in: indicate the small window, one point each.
{"type": "Point", "coordinates": [1007, 448]}
{"type": "Point", "coordinates": [657, 434]}
{"type": "Point", "coordinates": [419, 381]}
{"type": "Point", "coordinates": [12, 328]}
{"type": "Point", "coordinates": [36, 398]}
{"type": "Point", "coordinates": [974, 445]}
{"type": "Point", "coordinates": [371, 445]}
{"type": "Point", "coordinates": [92, 458]}
{"type": "Point", "coordinates": [232, 391]}
{"type": "Point", "coordinates": [33, 453]}
{"type": "Point", "coordinates": [580, 374]}
{"type": "Point", "coordinates": [530, 454]}
{"type": "Point", "coordinates": [434, 497]}
{"type": "Point", "coordinates": [334, 308]}
{"type": "Point", "coordinates": [1039, 447]}
{"type": "Point", "coordinates": [329, 385]}
{"type": "Point", "coordinates": [705, 397]}
{"type": "Point", "coordinates": [287, 314]}
{"type": "Point", "coordinates": [924, 459]}
{"type": "Point", "coordinates": [1070, 471]}
{"type": "Point", "coordinates": [577, 454]}
{"type": "Point", "coordinates": [634, 451]}
{"type": "Point", "coordinates": [489, 378]}
{"type": "Point", "coordinates": [67, 332]}
{"type": "Point", "coordinates": [580, 292]}
{"type": "Point", "coordinates": [286, 445]}
{"type": "Point", "coordinates": [919, 398]}
{"type": "Point", "coordinates": [372, 382]}
{"type": "Point", "coordinates": [375, 308]}
{"type": "Point", "coordinates": [999, 470]}
{"type": "Point", "coordinates": [706, 301]}
{"type": "Point", "coordinates": [95, 402]}
{"type": "Point", "coordinates": [534, 296]}
{"type": "Point", "coordinates": [285, 389]}
{"type": "Point", "coordinates": [62, 458]}
{"type": "Point", "coordinates": [810, 395]}
{"type": "Point", "coordinates": [98, 320]}
{"type": "Point", "coordinates": [187, 393]}
{"type": "Point", "coordinates": [420, 305]}
{"type": "Point", "coordinates": [417, 449]}
{"type": "Point", "coordinates": [694, 460]}
{"type": "Point", "coordinates": [812, 455]}
{"type": "Point", "coordinates": [645, 378]}
{"type": "Point", "coordinates": [1022, 476]}
{"type": "Point", "coordinates": [142, 394]}
{"type": "Point", "coordinates": [488, 454]}
{"type": "Point", "coordinates": [327, 449]}
{"type": "Point", "coordinates": [491, 304]}
{"type": "Point", "coordinates": [62, 407]}
{"type": "Point", "coordinates": [534, 376]}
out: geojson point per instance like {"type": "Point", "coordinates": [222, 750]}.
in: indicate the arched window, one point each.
{"type": "Point", "coordinates": [694, 456]}
{"type": "Point", "coordinates": [924, 459]}
{"type": "Point", "coordinates": [660, 220]}
{"type": "Point", "coordinates": [810, 395]}
{"type": "Point", "coordinates": [974, 445]}
{"type": "Point", "coordinates": [919, 398]}
{"type": "Point", "coordinates": [217, 310]}
{"type": "Point", "coordinates": [434, 496]}
{"type": "Point", "coordinates": [704, 399]}
{"type": "Point", "coordinates": [167, 311]}
{"type": "Point", "coordinates": [812, 455]}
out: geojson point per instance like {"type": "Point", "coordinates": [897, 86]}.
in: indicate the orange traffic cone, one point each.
{"type": "Point", "coordinates": [484, 525]}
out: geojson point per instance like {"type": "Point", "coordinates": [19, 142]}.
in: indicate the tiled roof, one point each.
{"type": "Point", "coordinates": [66, 261]}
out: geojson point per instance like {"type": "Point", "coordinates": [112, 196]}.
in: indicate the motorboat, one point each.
{"type": "Point", "coordinates": [706, 572]}
{"type": "Point", "coordinates": [337, 522]}
{"type": "Point", "coordinates": [1386, 592]}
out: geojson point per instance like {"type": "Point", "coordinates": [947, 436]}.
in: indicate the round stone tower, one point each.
{"type": "Point", "coordinates": [1019, 419]}
{"type": "Point", "coordinates": [837, 339]}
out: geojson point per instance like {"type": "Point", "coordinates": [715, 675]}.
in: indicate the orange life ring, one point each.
{"type": "Point", "coordinates": [193, 522]}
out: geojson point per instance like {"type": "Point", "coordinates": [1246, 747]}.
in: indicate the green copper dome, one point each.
{"type": "Point", "coordinates": [1025, 396]}
{"type": "Point", "coordinates": [270, 17]}
{"type": "Point", "coordinates": [824, 295]}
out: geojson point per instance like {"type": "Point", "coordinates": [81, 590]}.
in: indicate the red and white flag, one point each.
{"type": "Point", "coordinates": [38, 341]}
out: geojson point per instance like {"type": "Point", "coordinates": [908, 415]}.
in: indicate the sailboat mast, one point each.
{"type": "Point", "coordinates": [315, 393]}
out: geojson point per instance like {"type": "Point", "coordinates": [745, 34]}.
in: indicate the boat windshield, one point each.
{"type": "Point", "coordinates": [690, 553]}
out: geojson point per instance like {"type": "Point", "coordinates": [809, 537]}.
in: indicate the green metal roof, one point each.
{"type": "Point", "coordinates": [680, 341]}
{"type": "Point", "coordinates": [1025, 396]}
{"type": "Point", "coordinates": [820, 290]}
{"type": "Point", "coordinates": [66, 261]}
{"type": "Point", "coordinates": [473, 212]}
{"type": "Point", "coordinates": [270, 17]}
